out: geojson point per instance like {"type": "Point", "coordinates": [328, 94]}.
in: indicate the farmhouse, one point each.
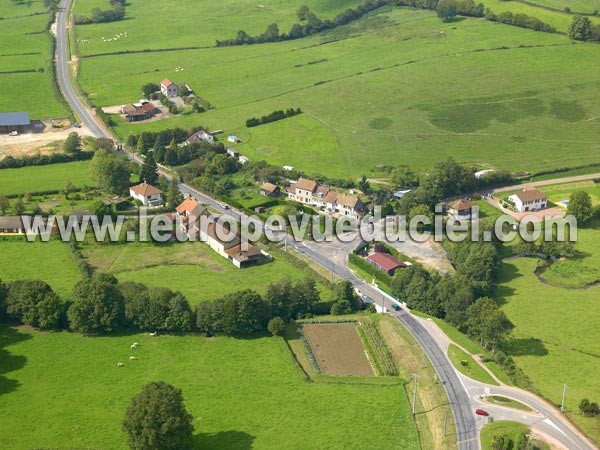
{"type": "Point", "coordinates": [529, 199]}
{"type": "Point", "coordinates": [460, 209]}
{"type": "Point", "coordinates": [197, 221]}
{"type": "Point", "coordinates": [143, 111]}
{"type": "Point", "coordinates": [385, 262]}
{"type": "Point", "coordinates": [310, 192]}
{"type": "Point", "coordinates": [147, 194]}
{"type": "Point", "coordinates": [11, 225]}
{"type": "Point", "coordinates": [168, 88]}
{"type": "Point", "coordinates": [16, 121]}
{"type": "Point", "coordinates": [269, 190]}
{"type": "Point", "coordinates": [200, 136]}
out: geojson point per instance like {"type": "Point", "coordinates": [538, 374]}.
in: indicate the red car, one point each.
{"type": "Point", "coordinates": [482, 412]}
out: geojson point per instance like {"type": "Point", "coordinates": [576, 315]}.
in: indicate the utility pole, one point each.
{"type": "Point", "coordinates": [562, 406]}
{"type": "Point", "coordinates": [414, 404]}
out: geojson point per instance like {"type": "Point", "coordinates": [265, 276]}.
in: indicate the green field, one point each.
{"type": "Point", "coordinates": [471, 368]}
{"type": "Point", "coordinates": [505, 428]}
{"type": "Point", "coordinates": [26, 46]}
{"type": "Point", "coordinates": [397, 86]}
{"type": "Point", "coordinates": [191, 268]}
{"type": "Point", "coordinates": [44, 178]}
{"type": "Point", "coordinates": [576, 6]}
{"type": "Point", "coordinates": [555, 336]}
{"type": "Point", "coordinates": [242, 394]}
{"type": "Point", "coordinates": [48, 261]}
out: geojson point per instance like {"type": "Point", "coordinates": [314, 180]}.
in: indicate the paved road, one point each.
{"type": "Point", "coordinates": [462, 392]}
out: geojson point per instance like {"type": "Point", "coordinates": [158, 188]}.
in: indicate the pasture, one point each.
{"type": "Point", "coordinates": [397, 86]}
{"type": "Point", "coordinates": [26, 46]}
{"type": "Point", "coordinates": [337, 349]}
{"type": "Point", "coordinates": [241, 394]}
{"type": "Point", "coordinates": [44, 178]}
{"type": "Point", "coordinates": [465, 364]}
{"type": "Point", "coordinates": [555, 335]}
{"type": "Point", "coordinates": [506, 428]}
{"type": "Point", "coordinates": [48, 261]}
{"type": "Point", "coordinates": [576, 6]}
{"type": "Point", "coordinates": [191, 268]}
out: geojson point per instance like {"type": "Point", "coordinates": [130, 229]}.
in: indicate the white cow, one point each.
{"type": "Point", "coordinates": [120, 365]}
{"type": "Point", "coordinates": [154, 334]}
{"type": "Point", "coordinates": [132, 358]}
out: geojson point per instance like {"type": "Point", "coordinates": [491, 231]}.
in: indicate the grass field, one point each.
{"type": "Point", "coordinates": [505, 428]}
{"type": "Point", "coordinates": [49, 261]}
{"type": "Point", "coordinates": [508, 402]}
{"type": "Point", "coordinates": [555, 335]}
{"type": "Point", "coordinates": [26, 46]}
{"type": "Point", "coordinates": [44, 178]}
{"type": "Point", "coordinates": [241, 393]}
{"type": "Point", "coordinates": [191, 268]}
{"type": "Point", "coordinates": [576, 6]}
{"type": "Point", "coordinates": [471, 368]}
{"type": "Point", "coordinates": [502, 95]}
{"type": "Point", "coordinates": [338, 349]}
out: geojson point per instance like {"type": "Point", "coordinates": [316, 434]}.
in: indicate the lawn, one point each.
{"type": "Point", "coordinates": [44, 178]}
{"type": "Point", "coordinates": [241, 393]}
{"type": "Point", "coordinates": [48, 261]}
{"type": "Point", "coordinates": [26, 46]}
{"type": "Point", "coordinates": [398, 86]}
{"type": "Point", "coordinates": [470, 367]}
{"type": "Point", "coordinates": [191, 268]}
{"type": "Point", "coordinates": [508, 402]}
{"type": "Point", "coordinates": [555, 335]}
{"type": "Point", "coordinates": [576, 6]}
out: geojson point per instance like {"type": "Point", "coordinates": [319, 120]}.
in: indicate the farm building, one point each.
{"type": "Point", "coordinates": [16, 121]}
{"type": "Point", "coordinates": [168, 88]}
{"type": "Point", "coordinates": [460, 209]}
{"type": "Point", "coordinates": [385, 262]}
{"type": "Point", "coordinates": [269, 190]}
{"type": "Point", "coordinates": [143, 111]}
{"type": "Point", "coordinates": [529, 199]}
{"type": "Point", "coordinates": [11, 225]}
{"type": "Point", "coordinates": [147, 194]}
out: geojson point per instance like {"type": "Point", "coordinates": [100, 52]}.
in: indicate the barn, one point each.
{"type": "Point", "coordinates": [15, 121]}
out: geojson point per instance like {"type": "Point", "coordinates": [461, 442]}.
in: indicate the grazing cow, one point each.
{"type": "Point", "coordinates": [154, 334]}
{"type": "Point", "coordinates": [120, 365]}
{"type": "Point", "coordinates": [132, 358]}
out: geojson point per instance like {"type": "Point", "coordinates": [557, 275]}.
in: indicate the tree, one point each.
{"type": "Point", "coordinates": [584, 406]}
{"type": "Point", "coordinates": [174, 197]}
{"type": "Point", "coordinates": [18, 208]}
{"type": "Point", "coordinates": [3, 294]}
{"type": "Point", "coordinates": [271, 33]}
{"type": "Point", "coordinates": [104, 143]}
{"type": "Point", "coordinates": [345, 300]}
{"type": "Point", "coordinates": [487, 323]}
{"type": "Point", "coordinates": [276, 326]}
{"type": "Point", "coordinates": [364, 185]}
{"type": "Point", "coordinates": [403, 177]}
{"type": "Point", "coordinates": [97, 305]}
{"type": "Point", "coordinates": [244, 313]}
{"type": "Point", "coordinates": [302, 12]}
{"type": "Point", "coordinates": [580, 206]}
{"type": "Point", "coordinates": [34, 303]}
{"type": "Point", "coordinates": [149, 172]}
{"type": "Point", "coordinates": [4, 204]}
{"type": "Point", "coordinates": [110, 171]}
{"type": "Point", "coordinates": [446, 10]}
{"type": "Point", "coordinates": [149, 89]}
{"type": "Point", "coordinates": [157, 419]}
{"type": "Point", "coordinates": [72, 144]}
{"type": "Point", "coordinates": [579, 28]}
{"type": "Point", "coordinates": [69, 188]}
{"type": "Point", "coordinates": [179, 317]}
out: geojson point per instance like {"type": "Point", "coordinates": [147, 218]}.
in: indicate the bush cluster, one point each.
{"type": "Point", "coordinates": [273, 117]}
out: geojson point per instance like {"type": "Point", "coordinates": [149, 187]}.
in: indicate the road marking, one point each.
{"type": "Point", "coordinates": [549, 422]}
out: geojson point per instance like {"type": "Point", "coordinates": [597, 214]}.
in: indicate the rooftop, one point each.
{"type": "Point", "coordinates": [145, 189]}
{"type": "Point", "coordinates": [385, 261]}
{"type": "Point", "coordinates": [14, 119]}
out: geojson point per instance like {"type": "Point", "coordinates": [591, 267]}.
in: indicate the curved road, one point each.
{"type": "Point", "coordinates": [463, 393]}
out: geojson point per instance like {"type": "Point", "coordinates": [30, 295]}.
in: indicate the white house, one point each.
{"type": "Point", "coordinates": [168, 88]}
{"type": "Point", "coordinates": [147, 194]}
{"type": "Point", "coordinates": [460, 209]}
{"type": "Point", "coordinates": [529, 199]}
{"type": "Point", "coordinates": [200, 136]}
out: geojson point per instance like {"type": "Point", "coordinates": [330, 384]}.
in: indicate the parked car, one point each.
{"type": "Point", "coordinates": [77, 125]}
{"type": "Point", "coordinates": [482, 412]}
{"type": "Point", "coordinates": [395, 307]}
{"type": "Point", "coordinates": [224, 206]}
{"type": "Point", "coordinates": [13, 133]}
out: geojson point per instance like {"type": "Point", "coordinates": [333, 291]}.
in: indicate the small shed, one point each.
{"type": "Point", "coordinates": [15, 121]}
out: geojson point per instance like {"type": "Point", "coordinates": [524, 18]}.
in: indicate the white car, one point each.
{"type": "Point", "coordinates": [13, 133]}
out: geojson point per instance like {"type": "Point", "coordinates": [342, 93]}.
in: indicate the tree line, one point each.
{"type": "Point", "coordinates": [97, 15]}
{"type": "Point", "coordinates": [582, 29]}
{"type": "Point", "coordinates": [310, 24]}
{"type": "Point", "coordinates": [273, 117]}
{"type": "Point", "coordinates": [100, 304]}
